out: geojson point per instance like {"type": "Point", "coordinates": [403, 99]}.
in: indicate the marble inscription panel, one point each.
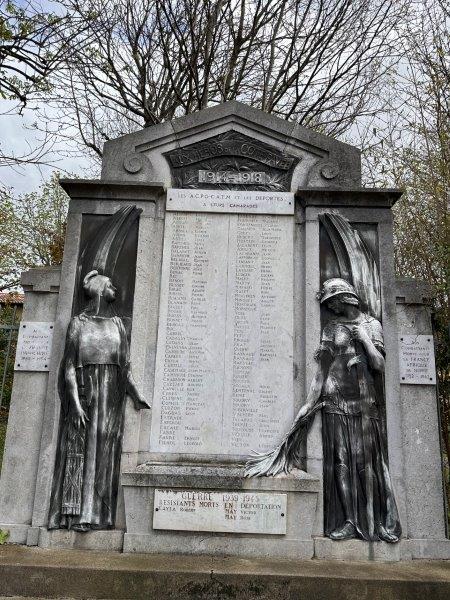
{"type": "Point", "coordinates": [228, 512]}
{"type": "Point", "coordinates": [34, 346]}
{"type": "Point", "coordinates": [417, 364]}
{"type": "Point", "coordinates": [229, 201]}
{"type": "Point", "coordinates": [224, 380]}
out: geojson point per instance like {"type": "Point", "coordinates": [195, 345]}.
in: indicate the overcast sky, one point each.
{"type": "Point", "coordinates": [17, 137]}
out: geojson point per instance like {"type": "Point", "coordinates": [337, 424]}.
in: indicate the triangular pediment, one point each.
{"type": "Point", "coordinates": [314, 159]}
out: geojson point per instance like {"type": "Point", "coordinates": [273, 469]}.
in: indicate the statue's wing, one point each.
{"type": "Point", "coordinates": [355, 260]}
{"type": "Point", "coordinates": [102, 250]}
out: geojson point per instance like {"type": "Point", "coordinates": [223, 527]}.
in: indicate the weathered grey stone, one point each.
{"type": "Point", "coordinates": [349, 550]}
{"type": "Point", "coordinates": [412, 291]}
{"type": "Point", "coordinates": [82, 574]}
{"type": "Point", "coordinates": [429, 549]}
{"type": "Point", "coordinates": [216, 476]}
{"type": "Point", "coordinates": [95, 189]}
{"type": "Point", "coordinates": [21, 455]}
{"type": "Point", "coordinates": [140, 484]}
{"type": "Point", "coordinates": [101, 198]}
{"type": "Point", "coordinates": [426, 517]}
{"type": "Point", "coordinates": [106, 541]}
{"type": "Point", "coordinates": [319, 154]}
{"type": "Point", "coordinates": [33, 536]}
{"type": "Point", "coordinates": [41, 279]}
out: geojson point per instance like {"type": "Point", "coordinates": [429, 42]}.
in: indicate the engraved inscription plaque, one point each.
{"type": "Point", "coordinates": [276, 203]}
{"type": "Point", "coordinates": [228, 512]}
{"type": "Point", "coordinates": [417, 364]}
{"type": "Point", "coordinates": [224, 373]}
{"type": "Point", "coordinates": [34, 346]}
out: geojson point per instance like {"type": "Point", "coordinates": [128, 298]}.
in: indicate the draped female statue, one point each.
{"type": "Point", "coordinates": [94, 380]}
{"type": "Point", "coordinates": [95, 377]}
{"type": "Point", "coordinates": [358, 494]}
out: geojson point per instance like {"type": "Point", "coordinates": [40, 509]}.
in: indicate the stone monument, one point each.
{"type": "Point", "coordinates": [179, 356]}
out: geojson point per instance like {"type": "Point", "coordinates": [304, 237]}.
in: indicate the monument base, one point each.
{"type": "Point", "coordinates": [405, 549]}
{"type": "Point", "coordinates": [17, 532]}
{"type": "Point", "coordinates": [139, 487]}
{"type": "Point", "coordinates": [107, 541]}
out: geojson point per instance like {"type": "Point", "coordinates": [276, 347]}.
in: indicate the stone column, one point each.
{"type": "Point", "coordinates": [100, 198]}
{"type": "Point", "coordinates": [372, 209]}
{"type": "Point", "coordinates": [425, 504]}
{"type": "Point", "coordinates": [21, 457]}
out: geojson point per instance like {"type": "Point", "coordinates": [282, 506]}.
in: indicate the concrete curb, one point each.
{"type": "Point", "coordinates": [32, 572]}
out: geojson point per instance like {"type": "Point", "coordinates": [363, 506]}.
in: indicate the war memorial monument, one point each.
{"type": "Point", "coordinates": [225, 363]}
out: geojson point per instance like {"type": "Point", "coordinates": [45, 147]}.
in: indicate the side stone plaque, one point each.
{"type": "Point", "coordinates": [34, 346]}
{"type": "Point", "coordinates": [417, 364]}
{"type": "Point", "coordinates": [227, 512]}
{"type": "Point", "coordinates": [224, 372]}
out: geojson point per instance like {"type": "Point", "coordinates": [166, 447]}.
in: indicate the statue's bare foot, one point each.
{"type": "Point", "coordinates": [346, 532]}
{"type": "Point", "coordinates": [386, 535]}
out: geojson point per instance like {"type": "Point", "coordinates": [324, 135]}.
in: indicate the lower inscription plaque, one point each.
{"type": "Point", "coordinates": [228, 512]}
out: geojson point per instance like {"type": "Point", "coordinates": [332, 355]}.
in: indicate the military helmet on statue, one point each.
{"type": "Point", "coordinates": [335, 286]}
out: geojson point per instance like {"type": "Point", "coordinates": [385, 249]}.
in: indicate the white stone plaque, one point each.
{"type": "Point", "coordinates": [224, 370]}
{"type": "Point", "coordinates": [227, 512]}
{"type": "Point", "coordinates": [417, 365]}
{"type": "Point", "coordinates": [34, 346]}
{"type": "Point", "coordinates": [230, 201]}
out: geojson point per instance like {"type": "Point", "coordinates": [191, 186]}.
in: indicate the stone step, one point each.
{"type": "Point", "coordinates": [37, 573]}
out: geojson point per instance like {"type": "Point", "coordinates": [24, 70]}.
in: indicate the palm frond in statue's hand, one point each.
{"type": "Point", "coordinates": [286, 455]}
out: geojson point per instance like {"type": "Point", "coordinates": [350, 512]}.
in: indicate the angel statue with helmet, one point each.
{"type": "Point", "coordinates": [359, 498]}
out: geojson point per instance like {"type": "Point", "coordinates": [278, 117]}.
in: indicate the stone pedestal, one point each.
{"type": "Point", "coordinates": [139, 489]}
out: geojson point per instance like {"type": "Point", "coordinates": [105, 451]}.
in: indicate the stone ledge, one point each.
{"type": "Point", "coordinates": [17, 532]}
{"type": "Point", "coordinates": [81, 574]}
{"type": "Point", "coordinates": [218, 544]}
{"type": "Point", "coordinates": [351, 197]}
{"type": "Point", "coordinates": [103, 189]}
{"type": "Point", "coordinates": [106, 541]}
{"type": "Point", "coordinates": [413, 291]}
{"type": "Point", "coordinates": [406, 549]}
{"type": "Point", "coordinates": [41, 279]}
{"type": "Point", "coordinates": [217, 477]}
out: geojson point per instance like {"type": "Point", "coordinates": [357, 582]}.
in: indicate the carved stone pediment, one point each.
{"type": "Point", "coordinates": [231, 161]}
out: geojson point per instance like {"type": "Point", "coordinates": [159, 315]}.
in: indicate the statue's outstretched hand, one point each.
{"type": "Point", "coordinates": [133, 392]}
{"type": "Point", "coordinates": [140, 404]}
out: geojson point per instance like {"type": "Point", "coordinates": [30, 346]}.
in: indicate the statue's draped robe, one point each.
{"type": "Point", "coordinates": [87, 466]}
{"type": "Point", "coordinates": [352, 434]}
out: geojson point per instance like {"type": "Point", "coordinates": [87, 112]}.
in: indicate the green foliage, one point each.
{"type": "Point", "coordinates": [3, 424]}
{"type": "Point", "coordinates": [10, 314]}
{"type": "Point", "coordinates": [413, 153]}
{"type": "Point", "coordinates": [4, 535]}
{"type": "Point", "coordinates": [31, 45]}
{"type": "Point", "coordinates": [33, 230]}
